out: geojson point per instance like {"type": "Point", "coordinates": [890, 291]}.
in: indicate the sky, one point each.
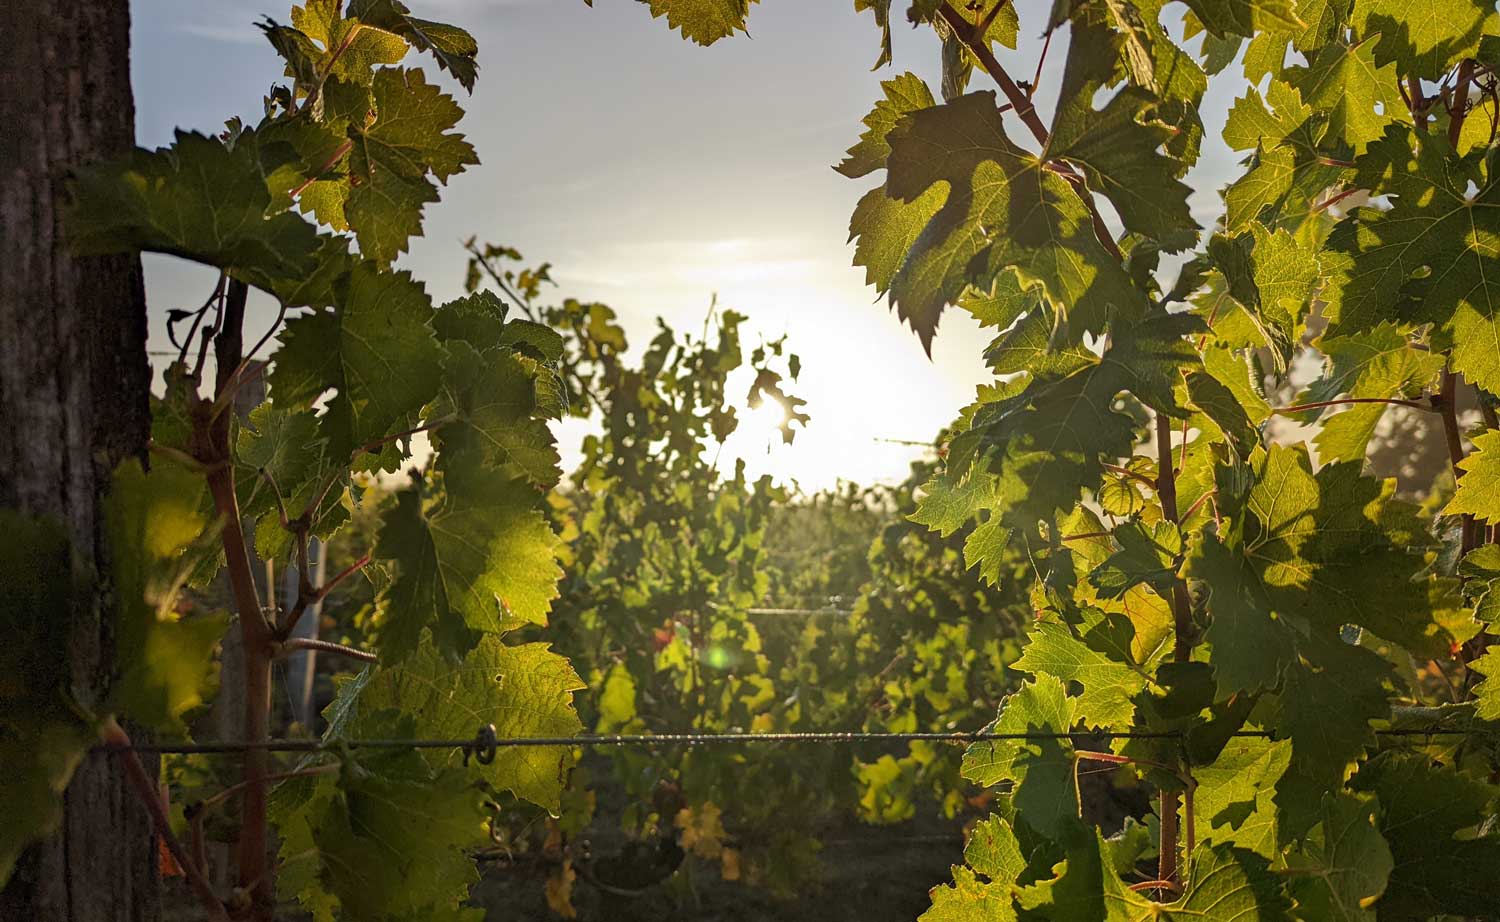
{"type": "Point", "coordinates": [655, 174]}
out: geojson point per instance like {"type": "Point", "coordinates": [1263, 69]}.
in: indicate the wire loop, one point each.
{"type": "Point", "coordinates": [483, 747]}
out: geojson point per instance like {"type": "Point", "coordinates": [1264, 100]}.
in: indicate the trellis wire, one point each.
{"type": "Point", "coordinates": [485, 740]}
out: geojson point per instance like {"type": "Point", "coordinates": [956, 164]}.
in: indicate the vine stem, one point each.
{"type": "Point", "coordinates": [1127, 472]}
{"type": "Point", "coordinates": [234, 789]}
{"type": "Point", "coordinates": [212, 432]}
{"type": "Point", "coordinates": [333, 159]}
{"type": "Point", "coordinates": [1342, 401]}
{"type": "Point", "coordinates": [1182, 637]}
{"type": "Point", "coordinates": [980, 49]}
{"type": "Point", "coordinates": [1166, 484]}
{"type": "Point", "coordinates": [328, 646]}
{"type": "Point", "coordinates": [112, 734]}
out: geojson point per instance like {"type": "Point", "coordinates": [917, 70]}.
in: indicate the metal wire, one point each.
{"type": "Point", "coordinates": [485, 741]}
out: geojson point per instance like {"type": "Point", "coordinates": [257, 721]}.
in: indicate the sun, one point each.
{"type": "Point", "coordinates": [761, 425]}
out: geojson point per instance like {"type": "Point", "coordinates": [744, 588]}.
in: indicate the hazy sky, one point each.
{"type": "Point", "coordinates": [654, 173]}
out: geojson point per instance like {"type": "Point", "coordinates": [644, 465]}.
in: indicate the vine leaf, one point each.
{"type": "Point", "coordinates": [1234, 794]}
{"type": "Point", "coordinates": [1108, 678]}
{"type": "Point", "coordinates": [453, 48]}
{"type": "Point", "coordinates": [1344, 868]}
{"type": "Point", "coordinates": [1478, 492]}
{"type": "Point", "coordinates": [525, 691]}
{"type": "Point", "coordinates": [1246, 17]}
{"type": "Point", "coordinates": [702, 21]}
{"type": "Point", "coordinates": [377, 351]}
{"type": "Point", "coordinates": [906, 93]}
{"type": "Point", "coordinates": [1426, 39]}
{"type": "Point", "coordinates": [1002, 209]}
{"type": "Point", "coordinates": [478, 559]}
{"type": "Point", "coordinates": [492, 397]}
{"type": "Point", "coordinates": [1380, 363]}
{"type": "Point", "coordinates": [394, 156]}
{"type": "Point", "coordinates": [201, 200]}
{"type": "Point", "coordinates": [1251, 649]}
{"type": "Point", "coordinates": [1427, 816]}
{"type": "Point", "coordinates": [1424, 259]}
{"type": "Point", "coordinates": [294, 454]}
{"type": "Point", "coordinates": [160, 534]}
{"type": "Point", "coordinates": [1488, 691]}
{"type": "Point", "coordinates": [1359, 97]}
{"type": "Point", "coordinates": [1041, 769]}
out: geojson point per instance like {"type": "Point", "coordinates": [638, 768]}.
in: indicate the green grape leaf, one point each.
{"type": "Point", "coordinates": [1146, 555]}
{"type": "Point", "coordinates": [479, 558]}
{"type": "Point", "coordinates": [1478, 492]}
{"type": "Point", "coordinates": [1380, 363]}
{"type": "Point", "coordinates": [1487, 692]}
{"type": "Point", "coordinates": [1425, 259]}
{"type": "Point", "coordinates": [1246, 17]}
{"type": "Point", "coordinates": [1103, 668]}
{"type": "Point", "coordinates": [1359, 97]}
{"type": "Point", "coordinates": [1002, 209]}
{"type": "Point", "coordinates": [1222, 405]}
{"type": "Point", "coordinates": [392, 158]}
{"type": "Point", "coordinates": [378, 351]}
{"type": "Point", "coordinates": [1343, 869]}
{"type": "Point", "coordinates": [1250, 647]}
{"type": "Point", "coordinates": [41, 739]}
{"type": "Point", "coordinates": [1424, 39]}
{"type": "Point", "coordinates": [159, 534]}
{"type": "Point", "coordinates": [525, 691]}
{"type": "Point", "coordinates": [702, 21]}
{"type": "Point", "coordinates": [1326, 706]}
{"type": "Point", "coordinates": [1288, 171]}
{"type": "Point", "coordinates": [351, 49]}
{"type": "Point", "coordinates": [453, 48]}
{"type": "Point", "coordinates": [906, 93]}
{"type": "Point", "coordinates": [946, 506]}
{"type": "Point", "coordinates": [492, 397]}
{"type": "Point", "coordinates": [1230, 883]}
{"type": "Point", "coordinates": [970, 899]}
{"type": "Point", "coordinates": [993, 850]}
{"type": "Point", "coordinates": [1322, 549]}
{"type": "Point", "coordinates": [1274, 277]}
{"type": "Point", "coordinates": [1428, 814]}
{"type": "Point", "coordinates": [1234, 795]}
{"type": "Point", "coordinates": [1119, 148]}
{"type": "Point", "coordinates": [198, 199]}
{"type": "Point", "coordinates": [884, 230]}
{"type": "Point", "coordinates": [1041, 768]}
{"type": "Point", "coordinates": [286, 448]}
{"type": "Point", "coordinates": [1027, 346]}
{"type": "Point", "coordinates": [393, 843]}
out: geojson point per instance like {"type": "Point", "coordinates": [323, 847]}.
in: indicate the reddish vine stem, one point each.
{"type": "Point", "coordinates": [212, 432]}
{"type": "Point", "coordinates": [980, 49]}
{"type": "Point", "coordinates": [1334, 199]}
{"type": "Point", "coordinates": [1460, 108]}
{"type": "Point", "coordinates": [330, 163]}
{"type": "Point", "coordinates": [1127, 472]}
{"type": "Point", "coordinates": [1448, 408]}
{"type": "Point", "coordinates": [112, 734]}
{"type": "Point", "coordinates": [1197, 504]}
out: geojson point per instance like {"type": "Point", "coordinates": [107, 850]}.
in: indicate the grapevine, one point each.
{"type": "Point", "coordinates": [1198, 568]}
